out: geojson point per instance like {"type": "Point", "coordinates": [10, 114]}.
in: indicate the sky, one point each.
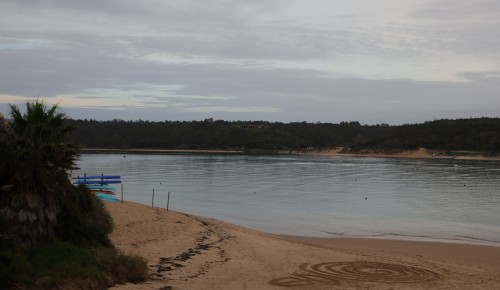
{"type": "Point", "coordinates": [384, 61]}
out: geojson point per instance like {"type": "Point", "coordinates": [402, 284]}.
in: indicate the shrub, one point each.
{"type": "Point", "coordinates": [62, 264]}
{"type": "Point", "coordinates": [83, 219]}
{"type": "Point", "coordinates": [82, 257]}
{"type": "Point", "coordinates": [15, 269]}
{"type": "Point", "coordinates": [122, 268]}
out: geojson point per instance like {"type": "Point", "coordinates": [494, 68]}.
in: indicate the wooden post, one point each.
{"type": "Point", "coordinates": [153, 199]}
{"type": "Point", "coordinates": [122, 192]}
{"type": "Point", "coordinates": [168, 199]}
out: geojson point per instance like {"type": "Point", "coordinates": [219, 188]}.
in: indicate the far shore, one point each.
{"type": "Point", "coordinates": [418, 153]}
{"type": "Point", "coordinates": [146, 151]}
{"type": "Point", "coordinates": [190, 252]}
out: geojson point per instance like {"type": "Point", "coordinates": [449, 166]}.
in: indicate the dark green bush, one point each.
{"type": "Point", "coordinates": [61, 264]}
{"type": "Point", "coordinates": [81, 257]}
{"type": "Point", "coordinates": [15, 269]}
{"type": "Point", "coordinates": [83, 219]}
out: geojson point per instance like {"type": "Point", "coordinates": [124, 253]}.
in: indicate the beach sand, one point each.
{"type": "Point", "coordinates": [189, 252]}
{"type": "Point", "coordinates": [418, 153]}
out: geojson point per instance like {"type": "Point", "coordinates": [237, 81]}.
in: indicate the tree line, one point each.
{"type": "Point", "coordinates": [479, 134]}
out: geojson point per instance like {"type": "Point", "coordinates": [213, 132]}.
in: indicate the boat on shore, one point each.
{"type": "Point", "coordinates": [107, 197]}
{"type": "Point", "coordinates": [103, 192]}
{"type": "Point", "coordinates": [97, 181]}
{"type": "Point", "coordinates": [99, 185]}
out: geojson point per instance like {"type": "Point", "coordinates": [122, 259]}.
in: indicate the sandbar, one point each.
{"type": "Point", "coordinates": [417, 153]}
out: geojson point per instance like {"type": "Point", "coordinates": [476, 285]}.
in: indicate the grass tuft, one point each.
{"type": "Point", "coordinates": [123, 268]}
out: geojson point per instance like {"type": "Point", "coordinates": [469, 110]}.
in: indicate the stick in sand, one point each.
{"type": "Point", "coordinates": [168, 199]}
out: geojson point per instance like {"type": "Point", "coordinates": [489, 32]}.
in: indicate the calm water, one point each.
{"type": "Point", "coordinates": [319, 196]}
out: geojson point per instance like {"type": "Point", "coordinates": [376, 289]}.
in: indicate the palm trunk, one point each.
{"type": "Point", "coordinates": [31, 218]}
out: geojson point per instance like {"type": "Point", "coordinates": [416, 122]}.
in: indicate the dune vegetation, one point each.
{"type": "Point", "coordinates": [53, 235]}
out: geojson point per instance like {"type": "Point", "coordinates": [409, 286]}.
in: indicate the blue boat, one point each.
{"type": "Point", "coordinates": [81, 181]}
{"type": "Point", "coordinates": [107, 197]}
{"type": "Point", "coordinates": [100, 187]}
{"type": "Point", "coordinates": [97, 177]}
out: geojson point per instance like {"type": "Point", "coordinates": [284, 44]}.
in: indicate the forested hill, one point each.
{"type": "Point", "coordinates": [482, 134]}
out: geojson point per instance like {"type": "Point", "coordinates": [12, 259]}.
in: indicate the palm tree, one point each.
{"type": "Point", "coordinates": [34, 171]}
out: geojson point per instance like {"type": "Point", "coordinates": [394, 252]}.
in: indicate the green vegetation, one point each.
{"type": "Point", "coordinates": [53, 235]}
{"type": "Point", "coordinates": [83, 220]}
{"type": "Point", "coordinates": [35, 160]}
{"type": "Point", "coordinates": [478, 134]}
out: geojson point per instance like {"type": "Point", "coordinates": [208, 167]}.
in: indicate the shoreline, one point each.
{"type": "Point", "coordinates": [337, 152]}
{"type": "Point", "coordinates": [461, 252]}
{"type": "Point", "coordinates": [154, 151]}
{"type": "Point", "coordinates": [408, 238]}
{"type": "Point", "coordinates": [410, 154]}
{"type": "Point", "coordinates": [190, 252]}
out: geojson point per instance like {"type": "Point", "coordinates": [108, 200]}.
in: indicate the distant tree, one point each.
{"type": "Point", "coordinates": [461, 134]}
{"type": "Point", "coordinates": [34, 171]}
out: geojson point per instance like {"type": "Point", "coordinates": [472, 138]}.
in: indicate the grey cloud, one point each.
{"type": "Point", "coordinates": [458, 10]}
{"type": "Point", "coordinates": [237, 48]}
{"type": "Point", "coordinates": [463, 26]}
{"type": "Point", "coordinates": [89, 97]}
{"type": "Point", "coordinates": [490, 76]}
{"type": "Point", "coordinates": [222, 29]}
{"type": "Point", "coordinates": [298, 94]}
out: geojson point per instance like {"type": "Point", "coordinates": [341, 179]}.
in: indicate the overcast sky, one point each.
{"type": "Point", "coordinates": [384, 61]}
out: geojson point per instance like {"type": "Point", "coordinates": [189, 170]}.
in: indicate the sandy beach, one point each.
{"type": "Point", "coordinates": [189, 252]}
{"type": "Point", "coordinates": [418, 153]}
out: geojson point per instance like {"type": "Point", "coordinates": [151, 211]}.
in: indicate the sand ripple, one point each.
{"type": "Point", "coordinates": [332, 273]}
